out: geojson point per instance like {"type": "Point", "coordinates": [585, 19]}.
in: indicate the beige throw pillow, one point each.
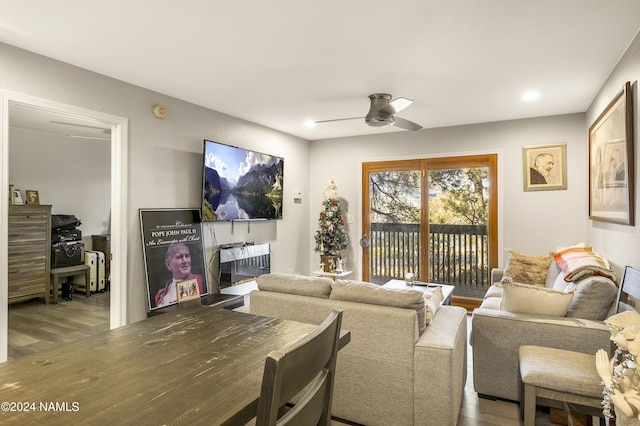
{"type": "Point", "coordinates": [528, 299]}
{"type": "Point", "coordinates": [432, 301]}
{"type": "Point", "coordinates": [526, 268]}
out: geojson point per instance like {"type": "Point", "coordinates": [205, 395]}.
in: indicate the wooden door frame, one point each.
{"type": "Point", "coordinates": [372, 167]}
{"type": "Point", "coordinates": [424, 164]}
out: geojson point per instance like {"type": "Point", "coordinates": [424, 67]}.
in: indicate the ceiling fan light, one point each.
{"type": "Point", "coordinates": [379, 120]}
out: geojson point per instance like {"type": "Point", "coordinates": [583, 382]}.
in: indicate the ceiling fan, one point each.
{"type": "Point", "coordinates": [382, 113]}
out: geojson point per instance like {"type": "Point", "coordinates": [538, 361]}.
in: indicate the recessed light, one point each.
{"type": "Point", "coordinates": [309, 123]}
{"type": "Point", "coordinates": [530, 95]}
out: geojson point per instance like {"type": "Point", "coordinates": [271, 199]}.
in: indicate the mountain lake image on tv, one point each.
{"type": "Point", "coordinates": [240, 184]}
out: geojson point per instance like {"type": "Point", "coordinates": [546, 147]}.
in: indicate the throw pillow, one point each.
{"type": "Point", "coordinates": [362, 292]}
{"type": "Point", "coordinates": [295, 284]}
{"type": "Point", "coordinates": [554, 272]}
{"type": "Point", "coordinates": [526, 268]}
{"type": "Point", "coordinates": [560, 284]}
{"type": "Point", "coordinates": [529, 299]}
{"type": "Point", "coordinates": [592, 298]}
{"type": "Point", "coordinates": [432, 301]}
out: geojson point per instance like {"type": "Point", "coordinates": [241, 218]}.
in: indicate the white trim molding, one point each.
{"type": "Point", "coordinates": [119, 185]}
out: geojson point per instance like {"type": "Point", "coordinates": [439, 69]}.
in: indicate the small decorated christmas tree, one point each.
{"type": "Point", "coordinates": [331, 236]}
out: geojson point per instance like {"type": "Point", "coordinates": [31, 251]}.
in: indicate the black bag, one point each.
{"type": "Point", "coordinates": [65, 235]}
{"type": "Point", "coordinates": [67, 254]}
{"type": "Point", "coordinates": [64, 221]}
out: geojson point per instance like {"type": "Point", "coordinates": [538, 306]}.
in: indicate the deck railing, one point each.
{"type": "Point", "coordinates": [457, 253]}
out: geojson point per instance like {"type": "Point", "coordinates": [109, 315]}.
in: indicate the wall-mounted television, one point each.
{"type": "Point", "coordinates": [240, 184]}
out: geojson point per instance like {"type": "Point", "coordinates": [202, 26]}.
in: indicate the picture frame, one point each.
{"type": "Point", "coordinates": [611, 162]}
{"type": "Point", "coordinates": [173, 248]}
{"type": "Point", "coordinates": [544, 167]}
{"type": "Point", "coordinates": [17, 196]}
{"type": "Point", "coordinates": [32, 196]}
{"type": "Point", "coordinates": [188, 290]}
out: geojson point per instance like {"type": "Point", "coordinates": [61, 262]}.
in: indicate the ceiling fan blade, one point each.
{"type": "Point", "coordinates": [339, 119]}
{"type": "Point", "coordinates": [406, 124]}
{"type": "Point", "coordinates": [396, 105]}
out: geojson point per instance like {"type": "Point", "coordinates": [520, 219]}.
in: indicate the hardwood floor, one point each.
{"type": "Point", "coordinates": [34, 326]}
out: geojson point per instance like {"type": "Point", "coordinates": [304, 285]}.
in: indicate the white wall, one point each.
{"type": "Point", "coordinates": [165, 157]}
{"type": "Point", "coordinates": [619, 243]}
{"type": "Point", "coordinates": [533, 222]}
{"type": "Point", "coordinates": [73, 175]}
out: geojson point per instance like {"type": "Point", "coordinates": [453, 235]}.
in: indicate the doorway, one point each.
{"type": "Point", "coordinates": [118, 219]}
{"type": "Point", "coordinates": [435, 218]}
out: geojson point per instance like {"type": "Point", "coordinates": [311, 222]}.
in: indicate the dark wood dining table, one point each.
{"type": "Point", "coordinates": [193, 365]}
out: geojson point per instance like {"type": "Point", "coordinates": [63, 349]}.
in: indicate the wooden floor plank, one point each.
{"type": "Point", "coordinates": [35, 326]}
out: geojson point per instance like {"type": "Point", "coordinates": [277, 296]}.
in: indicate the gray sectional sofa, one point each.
{"type": "Point", "coordinates": [391, 372]}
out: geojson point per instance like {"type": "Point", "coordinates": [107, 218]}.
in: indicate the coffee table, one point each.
{"type": "Point", "coordinates": [447, 290]}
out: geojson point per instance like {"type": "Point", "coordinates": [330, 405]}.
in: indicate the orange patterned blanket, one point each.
{"type": "Point", "coordinates": [581, 262]}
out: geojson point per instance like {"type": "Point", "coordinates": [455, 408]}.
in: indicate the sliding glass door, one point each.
{"type": "Point", "coordinates": [436, 218]}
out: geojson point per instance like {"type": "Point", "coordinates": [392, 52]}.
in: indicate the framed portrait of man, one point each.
{"type": "Point", "coordinates": [174, 255]}
{"type": "Point", "coordinates": [544, 167]}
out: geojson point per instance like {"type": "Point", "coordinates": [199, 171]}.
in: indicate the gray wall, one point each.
{"type": "Point", "coordinates": [165, 158]}
{"type": "Point", "coordinates": [532, 222]}
{"type": "Point", "coordinates": [620, 243]}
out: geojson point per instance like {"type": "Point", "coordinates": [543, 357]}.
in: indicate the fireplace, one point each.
{"type": "Point", "coordinates": [243, 262]}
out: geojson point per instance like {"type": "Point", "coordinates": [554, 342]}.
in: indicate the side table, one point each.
{"type": "Point", "coordinates": [447, 290]}
{"type": "Point", "coordinates": [332, 275]}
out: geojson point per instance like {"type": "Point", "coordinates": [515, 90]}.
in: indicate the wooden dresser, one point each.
{"type": "Point", "coordinates": [29, 251]}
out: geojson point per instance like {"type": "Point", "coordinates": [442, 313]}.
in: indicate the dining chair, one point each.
{"type": "Point", "coordinates": [308, 364]}
{"type": "Point", "coordinates": [629, 286]}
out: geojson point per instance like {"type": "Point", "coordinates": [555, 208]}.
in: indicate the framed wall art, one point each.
{"type": "Point", "coordinates": [32, 196]}
{"type": "Point", "coordinates": [544, 167]}
{"type": "Point", "coordinates": [611, 162]}
{"type": "Point", "coordinates": [174, 255]}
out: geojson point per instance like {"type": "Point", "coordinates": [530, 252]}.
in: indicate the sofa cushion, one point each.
{"type": "Point", "coordinates": [553, 274]}
{"type": "Point", "coordinates": [538, 300]}
{"type": "Point", "coordinates": [592, 298]}
{"type": "Point", "coordinates": [526, 268]}
{"type": "Point", "coordinates": [295, 284]}
{"type": "Point", "coordinates": [362, 292]}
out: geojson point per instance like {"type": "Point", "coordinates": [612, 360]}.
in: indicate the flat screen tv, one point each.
{"type": "Point", "coordinates": [240, 184]}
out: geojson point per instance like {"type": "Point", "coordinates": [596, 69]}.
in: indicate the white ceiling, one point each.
{"type": "Point", "coordinates": [282, 62]}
